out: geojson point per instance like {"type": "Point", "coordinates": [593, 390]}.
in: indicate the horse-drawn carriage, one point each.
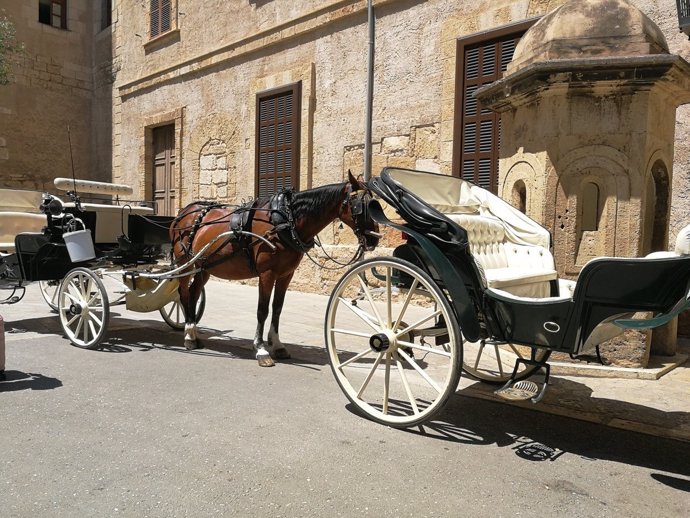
{"type": "Point", "coordinates": [474, 288]}
{"type": "Point", "coordinates": [87, 256]}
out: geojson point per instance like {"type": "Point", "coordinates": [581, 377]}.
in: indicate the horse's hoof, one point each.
{"type": "Point", "coordinates": [265, 361]}
{"type": "Point", "coordinates": [190, 345]}
{"type": "Point", "coordinates": [282, 354]}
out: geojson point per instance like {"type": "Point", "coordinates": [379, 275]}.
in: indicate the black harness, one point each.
{"type": "Point", "coordinates": [281, 216]}
{"type": "Point", "coordinates": [283, 221]}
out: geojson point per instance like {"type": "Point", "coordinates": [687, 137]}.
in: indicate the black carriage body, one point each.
{"type": "Point", "coordinates": [606, 288]}
{"type": "Point", "coordinates": [145, 241]}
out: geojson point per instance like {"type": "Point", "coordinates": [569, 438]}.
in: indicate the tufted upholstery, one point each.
{"type": "Point", "coordinates": [508, 246]}
{"type": "Point", "coordinates": [524, 270]}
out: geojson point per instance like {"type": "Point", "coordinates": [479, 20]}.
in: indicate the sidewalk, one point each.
{"type": "Point", "coordinates": [659, 407]}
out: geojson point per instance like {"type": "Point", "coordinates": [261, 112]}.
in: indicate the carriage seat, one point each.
{"type": "Point", "coordinates": [19, 212]}
{"type": "Point", "coordinates": [523, 270]}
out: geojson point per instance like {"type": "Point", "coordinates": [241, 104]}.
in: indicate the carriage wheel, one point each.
{"type": "Point", "coordinates": [83, 307]}
{"type": "Point", "coordinates": [49, 290]}
{"type": "Point", "coordinates": [173, 314]}
{"type": "Point", "coordinates": [396, 354]}
{"type": "Point", "coordinates": [494, 363]}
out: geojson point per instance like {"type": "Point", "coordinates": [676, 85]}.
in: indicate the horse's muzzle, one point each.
{"type": "Point", "coordinates": [371, 240]}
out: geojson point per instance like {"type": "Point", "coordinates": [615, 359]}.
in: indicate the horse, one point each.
{"type": "Point", "coordinates": [267, 239]}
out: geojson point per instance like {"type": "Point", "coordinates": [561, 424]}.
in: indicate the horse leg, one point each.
{"type": "Point", "coordinates": [279, 350]}
{"type": "Point", "coordinates": [190, 291]}
{"type": "Point", "coordinates": [266, 283]}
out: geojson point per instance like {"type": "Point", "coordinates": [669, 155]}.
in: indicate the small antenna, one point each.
{"type": "Point", "coordinates": [74, 178]}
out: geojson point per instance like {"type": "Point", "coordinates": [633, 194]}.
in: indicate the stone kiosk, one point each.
{"type": "Point", "coordinates": [588, 117]}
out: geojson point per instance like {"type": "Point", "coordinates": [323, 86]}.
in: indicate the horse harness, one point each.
{"type": "Point", "coordinates": [281, 216]}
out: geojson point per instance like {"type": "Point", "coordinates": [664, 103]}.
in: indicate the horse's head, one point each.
{"type": "Point", "coordinates": [354, 212]}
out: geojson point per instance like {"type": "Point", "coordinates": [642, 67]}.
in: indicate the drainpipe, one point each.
{"type": "Point", "coordinates": [370, 92]}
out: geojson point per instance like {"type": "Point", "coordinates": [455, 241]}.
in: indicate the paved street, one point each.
{"type": "Point", "coordinates": [146, 428]}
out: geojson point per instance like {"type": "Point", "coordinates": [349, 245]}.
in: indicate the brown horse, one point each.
{"type": "Point", "coordinates": [268, 239]}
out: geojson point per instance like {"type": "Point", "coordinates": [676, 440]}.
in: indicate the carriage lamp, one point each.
{"type": "Point", "coordinates": [684, 16]}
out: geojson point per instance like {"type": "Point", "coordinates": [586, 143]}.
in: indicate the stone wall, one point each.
{"type": "Point", "coordinates": [52, 90]}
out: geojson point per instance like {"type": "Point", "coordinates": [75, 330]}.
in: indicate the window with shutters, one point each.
{"type": "Point", "coordinates": [106, 13]}
{"type": "Point", "coordinates": [53, 12]}
{"type": "Point", "coordinates": [481, 59]}
{"type": "Point", "coordinates": [161, 17]}
{"type": "Point", "coordinates": [277, 140]}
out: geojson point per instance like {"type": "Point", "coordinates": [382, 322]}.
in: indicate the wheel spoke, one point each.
{"type": "Point", "coordinates": [367, 292]}
{"type": "Point", "coordinates": [363, 315]}
{"type": "Point", "coordinates": [92, 327]}
{"type": "Point", "coordinates": [424, 348]}
{"type": "Point", "coordinates": [406, 385]}
{"type": "Point", "coordinates": [389, 298]}
{"type": "Point", "coordinates": [80, 321]}
{"type": "Point", "coordinates": [355, 358]}
{"type": "Point", "coordinates": [351, 333]}
{"type": "Point", "coordinates": [498, 360]}
{"type": "Point", "coordinates": [408, 298]}
{"type": "Point", "coordinates": [370, 375]}
{"type": "Point", "coordinates": [387, 383]}
{"type": "Point", "coordinates": [417, 323]}
{"type": "Point", "coordinates": [479, 354]}
{"type": "Point", "coordinates": [517, 353]}
{"type": "Point", "coordinates": [421, 372]}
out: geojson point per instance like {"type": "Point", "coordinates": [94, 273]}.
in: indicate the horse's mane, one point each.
{"type": "Point", "coordinates": [313, 201]}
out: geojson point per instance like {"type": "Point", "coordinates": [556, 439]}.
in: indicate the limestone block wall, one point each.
{"type": "Point", "coordinates": [52, 89]}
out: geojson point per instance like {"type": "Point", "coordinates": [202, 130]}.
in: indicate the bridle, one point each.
{"type": "Point", "coordinates": [358, 203]}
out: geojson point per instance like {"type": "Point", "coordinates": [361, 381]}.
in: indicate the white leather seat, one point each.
{"type": "Point", "coordinates": [523, 270]}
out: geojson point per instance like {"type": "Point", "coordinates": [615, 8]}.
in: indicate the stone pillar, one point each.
{"type": "Point", "coordinates": [664, 339]}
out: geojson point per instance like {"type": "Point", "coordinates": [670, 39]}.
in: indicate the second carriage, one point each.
{"type": "Point", "coordinates": [87, 256]}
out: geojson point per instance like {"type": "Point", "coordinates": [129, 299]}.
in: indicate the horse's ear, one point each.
{"type": "Point", "coordinates": [356, 182]}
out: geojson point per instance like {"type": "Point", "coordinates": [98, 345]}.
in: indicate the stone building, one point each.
{"type": "Point", "coordinates": [61, 91]}
{"type": "Point", "coordinates": [228, 100]}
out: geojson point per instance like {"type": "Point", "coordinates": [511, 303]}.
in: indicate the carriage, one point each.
{"type": "Point", "coordinates": [474, 288]}
{"type": "Point", "coordinates": [87, 256]}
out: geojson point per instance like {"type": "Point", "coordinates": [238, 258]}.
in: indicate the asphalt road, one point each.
{"type": "Point", "coordinates": [146, 428]}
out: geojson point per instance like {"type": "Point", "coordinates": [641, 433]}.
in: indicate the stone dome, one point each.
{"type": "Point", "coordinates": [589, 29]}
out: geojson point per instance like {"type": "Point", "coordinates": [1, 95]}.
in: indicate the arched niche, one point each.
{"type": "Point", "coordinates": [599, 172]}
{"type": "Point", "coordinates": [519, 196]}
{"type": "Point", "coordinates": [656, 209]}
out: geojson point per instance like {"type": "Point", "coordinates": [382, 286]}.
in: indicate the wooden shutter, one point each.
{"type": "Point", "coordinates": [277, 140]}
{"type": "Point", "coordinates": [480, 60]}
{"type": "Point", "coordinates": [161, 17]}
{"type": "Point", "coordinates": [163, 169]}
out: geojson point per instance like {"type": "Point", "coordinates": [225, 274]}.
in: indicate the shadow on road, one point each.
{"type": "Point", "coordinates": [540, 437]}
{"type": "Point", "coordinates": [18, 380]}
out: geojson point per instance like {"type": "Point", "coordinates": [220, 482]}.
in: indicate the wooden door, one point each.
{"type": "Point", "coordinates": [163, 167]}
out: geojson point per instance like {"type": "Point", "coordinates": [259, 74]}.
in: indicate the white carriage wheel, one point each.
{"type": "Point", "coordinates": [173, 314]}
{"type": "Point", "coordinates": [83, 307]}
{"type": "Point", "coordinates": [49, 290]}
{"type": "Point", "coordinates": [396, 354]}
{"type": "Point", "coordinates": [494, 362]}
